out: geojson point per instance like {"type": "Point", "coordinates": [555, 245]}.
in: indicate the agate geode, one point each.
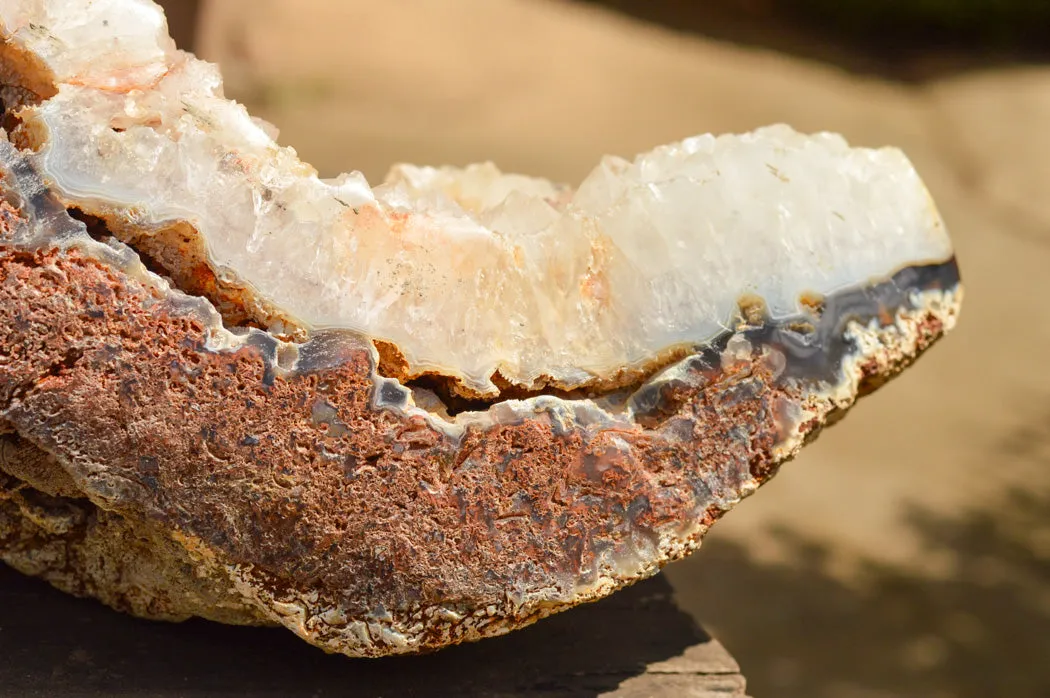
{"type": "Point", "coordinates": [400, 417]}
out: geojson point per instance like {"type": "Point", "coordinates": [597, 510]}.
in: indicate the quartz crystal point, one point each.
{"type": "Point", "coordinates": [436, 410]}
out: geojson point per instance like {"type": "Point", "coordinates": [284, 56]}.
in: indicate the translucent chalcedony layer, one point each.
{"type": "Point", "coordinates": [468, 272]}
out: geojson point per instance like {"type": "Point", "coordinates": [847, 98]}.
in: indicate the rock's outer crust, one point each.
{"type": "Point", "coordinates": [366, 529]}
{"type": "Point", "coordinates": [131, 565]}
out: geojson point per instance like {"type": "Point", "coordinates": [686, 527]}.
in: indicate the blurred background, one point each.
{"type": "Point", "coordinates": [907, 552]}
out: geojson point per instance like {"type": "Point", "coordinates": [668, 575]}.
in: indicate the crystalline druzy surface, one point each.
{"type": "Point", "coordinates": [550, 284]}
{"type": "Point", "coordinates": [432, 411]}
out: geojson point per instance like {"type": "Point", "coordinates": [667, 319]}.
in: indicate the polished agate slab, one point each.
{"type": "Point", "coordinates": [400, 417]}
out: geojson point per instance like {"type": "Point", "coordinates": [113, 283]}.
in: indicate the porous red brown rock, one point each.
{"type": "Point", "coordinates": [158, 457]}
{"type": "Point", "coordinates": [268, 495]}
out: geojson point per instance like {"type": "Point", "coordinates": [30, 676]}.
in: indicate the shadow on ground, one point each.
{"type": "Point", "coordinates": [183, 16]}
{"type": "Point", "coordinates": [889, 48]}
{"type": "Point", "coordinates": [980, 629]}
{"type": "Point", "coordinates": [888, 44]}
{"type": "Point", "coordinates": [55, 646]}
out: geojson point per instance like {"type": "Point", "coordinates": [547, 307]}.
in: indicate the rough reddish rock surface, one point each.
{"type": "Point", "coordinates": [159, 457]}
{"type": "Point", "coordinates": [253, 493]}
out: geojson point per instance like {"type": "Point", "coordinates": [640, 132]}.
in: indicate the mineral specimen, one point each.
{"type": "Point", "coordinates": [397, 418]}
